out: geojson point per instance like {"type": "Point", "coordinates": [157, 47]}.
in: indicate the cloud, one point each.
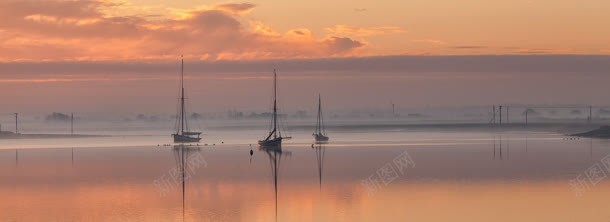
{"type": "Point", "coordinates": [339, 45]}
{"type": "Point", "coordinates": [300, 33]}
{"type": "Point", "coordinates": [360, 9]}
{"type": "Point", "coordinates": [212, 21]}
{"type": "Point", "coordinates": [235, 8]}
{"type": "Point", "coordinates": [431, 41]}
{"type": "Point", "coordinates": [468, 47]}
{"type": "Point", "coordinates": [540, 51]}
{"type": "Point", "coordinates": [83, 30]}
{"type": "Point", "coordinates": [511, 66]}
{"type": "Point", "coordinates": [63, 9]}
{"type": "Point", "coordinates": [347, 30]}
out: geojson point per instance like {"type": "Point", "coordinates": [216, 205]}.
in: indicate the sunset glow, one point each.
{"type": "Point", "coordinates": [268, 110]}
{"type": "Point", "coordinates": [159, 30]}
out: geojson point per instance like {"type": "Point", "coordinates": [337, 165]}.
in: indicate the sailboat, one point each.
{"type": "Point", "coordinates": [320, 134]}
{"type": "Point", "coordinates": [275, 135]}
{"type": "Point", "coordinates": [183, 135]}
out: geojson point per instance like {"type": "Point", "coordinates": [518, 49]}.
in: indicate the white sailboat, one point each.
{"type": "Point", "coordinates": [274, 139]}
{"type": "Point", "coordinates": [183, 134]}
{"type": "Point", "coordinates": [320, 133]}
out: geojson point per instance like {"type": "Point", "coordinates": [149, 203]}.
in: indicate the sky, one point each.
{"type": "Point", "coordinates": [123, 56]}
{"type": "Point", "coordinates": [216, 30]}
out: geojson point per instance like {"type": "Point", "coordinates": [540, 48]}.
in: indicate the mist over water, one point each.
{"type": "Point", "coordinates": [520, 172]}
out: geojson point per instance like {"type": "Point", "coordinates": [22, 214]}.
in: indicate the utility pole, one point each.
{"type": "Point", "coordinates": [507, 115]}
{"type": "Point", "coordinates": [16, 123]}
{"type": "Point", "coordinates": [590, 120]}
{"type": "Point", "coordinates": [393, 109]}
{"type": "Point", "coordinates": [500, 111]}
{"type": "Point", "coordinates": [493, 119]}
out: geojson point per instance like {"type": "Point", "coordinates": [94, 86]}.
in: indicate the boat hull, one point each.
{"type": "Point", "coordinates": [320, 138]}
{"type": "Point", "coordinates": [185, 139]}
{"type": "Point", "coordinates": [271, 142]}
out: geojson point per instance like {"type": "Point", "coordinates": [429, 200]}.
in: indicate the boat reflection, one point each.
{"type": "Point", "coordinates": [182, 154]}
{"type": "Point", "coordinates": [320, 150]}
{"type": "Point", "coordinates": [275, 153]}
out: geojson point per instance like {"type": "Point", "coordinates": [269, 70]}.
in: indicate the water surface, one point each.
{"type": "Point", "coordinates": [452, 176]}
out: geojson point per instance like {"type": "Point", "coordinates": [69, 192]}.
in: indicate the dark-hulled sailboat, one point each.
{"type": "Point", "coordinates": [274, 139]}
{"type": "Point", "coordinates": [320, 134]}
{"type": "Point", "coordinates": [183, 134]}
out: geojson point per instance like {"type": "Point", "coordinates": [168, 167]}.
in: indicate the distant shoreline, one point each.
{"type": "Point", "coordinates": [11, 135]}
{"type": "Point", "coordinates": [568, 129]}
{"type": "Point", "coordinates": [562, 128]}
{"type": "Point", "coordinates": [602, 133]}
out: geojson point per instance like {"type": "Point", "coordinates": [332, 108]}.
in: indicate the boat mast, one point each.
{"type": "Point", "coordinates": [275, 128]}
{"type": "Point", "coordinates": [318, 123]}
{"type": "Point", "coordinates": [182, 120]}
{"type": "Point", "coordinates": [16, 123]}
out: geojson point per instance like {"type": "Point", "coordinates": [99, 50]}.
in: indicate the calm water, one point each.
{"type": "Point", "coordinates": [358, 176]}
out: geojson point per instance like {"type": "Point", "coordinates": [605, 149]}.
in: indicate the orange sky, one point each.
{"type": "Point", "coordinates": [263, 29]}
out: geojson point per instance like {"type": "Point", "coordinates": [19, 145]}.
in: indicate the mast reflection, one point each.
{"type": "Point", "coordinates": [182, 153]}
{"type": "Point", "coordinates": [275, 153]}
{"type": "Point", "coordinates": [320, 150]}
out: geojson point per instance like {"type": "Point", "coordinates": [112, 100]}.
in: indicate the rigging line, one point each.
{"type": "Point", "coordinates": [177, 118]}
{"type": "Point", "coordinates": [197, 120]}
{"type": "Point", "coordinates": [270, 104]}
{"type": "Point", "coordinates": [275, 110]}
{"type": "Point", "coordinates": [187, 104]}
{"type": "Point", "coordinates": [182, 95]}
